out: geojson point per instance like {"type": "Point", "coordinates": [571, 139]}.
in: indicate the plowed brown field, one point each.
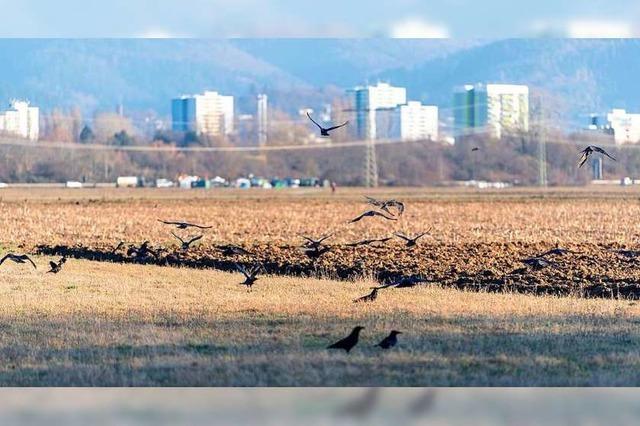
{"type": "Point", "coordinates": [477, 239]}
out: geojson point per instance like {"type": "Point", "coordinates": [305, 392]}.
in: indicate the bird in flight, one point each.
{"type": "Point", "coordinates": [368, 297]}
{"type": "Point", "coordinates": [231, 250]}
{"type": "Point", "coordinates": [386, 205]}
{"type": "Point", "coordinates": [411, 242]}
{"type": "Point", "coordinates": [371, 213]}
{"type": "Point", "coordinates": [18, 258]}
{"type": "Point", "coordinates": [184, 225]}
{"type": "Point", "coordinates": [118, 247]}
{"type": "Point", "coordinates": [474, 149]}
{"type": "Point", "coordinates": [250, 276]}
{"type": "Point", "coordinates": [56, 267]}
{"type": "Point", "coordinates": [143, 251]}
{"type": "Point", "coordinates": [313, 243]}
{"type": "Point", "coordinates": [390, 341]}
{"type": "Point", "coordinates": [586, 153]}
{"type": "Point", "coordinates": [367, 242]}
{"type": "Point", "coordinates": [315, 252]}
{"type": "Point", "coordinates": [325, 131]}
{"type": "Point", "coordinates": [348, 342]}
{"type": "Point", "coordinates": [187, 244]}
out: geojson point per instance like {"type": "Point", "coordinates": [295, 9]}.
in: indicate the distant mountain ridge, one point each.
{"type": "Point", "coordinates": [143, 75]}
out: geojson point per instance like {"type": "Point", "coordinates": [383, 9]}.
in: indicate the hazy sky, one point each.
{"type": "Point", "coordinates": [327, 18]}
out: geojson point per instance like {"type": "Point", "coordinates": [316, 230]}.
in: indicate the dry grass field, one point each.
{"type": "Point", "coordinates": [120, 323]}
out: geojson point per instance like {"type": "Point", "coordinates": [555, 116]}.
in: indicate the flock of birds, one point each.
{"type": "Point", "coordinates": [314, 248]}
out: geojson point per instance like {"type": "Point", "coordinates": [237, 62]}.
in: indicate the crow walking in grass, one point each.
{"type": "Point", "coordinates": [390, 341]}
{"type": "Point", "coordinates": [187, 244]}
{"type": "Point", "coordinates": [18, 258]}
{"type": "Point", "coordinates": [348, 342]}
{"type": "Point", "coordinates": [411, 242]}
{"type": "Point", "coordinates": [56, 267]}
{"type": "Point", "coordinates": [324, 131]}
{"type": "Point", "coordinates": [588, 151]}
{"type": "Point", "coordinates": [371, 213]}
{"type": "Point", "coordinates": [184, 225]}
{"type": "Point", "coordinates": [368, 297]}
{"type": "Point", "coordinates": [251, 276]}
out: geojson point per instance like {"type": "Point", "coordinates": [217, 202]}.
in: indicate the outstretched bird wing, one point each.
{"type": "Point", "coordinates": [404, 237]}
{"type": "Point", "coordinates": [583, 159]}
{"type": "Point", "coordinates": [181, 240]}
{"type": "Point", "coordinates": [242, 270]}
{"type": "Point", "coordinates": [194, 239]}
{"type": "Point", "coordinates": [6, 256]}
{"type": "Point", "coordinates": [337, 127]}
{"type": "Point", "coordinates": [360, 217]}
{"type": "Point", "coordinates": [602, 151]}
{"type": "Point", "coordinates": [200, 226]}
{"type": "Point", "coordinates": [314, 122]}
{"type": "Point", "coordinates": [25, 257]}
{"type": "Point", "coordinates": [53, 265]}
{"type": "Point", "coordinates": [167, 222]}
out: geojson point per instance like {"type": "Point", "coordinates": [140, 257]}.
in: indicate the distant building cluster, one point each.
{"type": "Point", "coordinates": [382, 112]}
{"type": "Point", "coordinates": [491, 109]}
{"type": "Point", "coordinates": [209, 114]}
{"type": "Point", "coordinates": [21, 120]}
{"type": "Point", "coordinates": [625, 126]}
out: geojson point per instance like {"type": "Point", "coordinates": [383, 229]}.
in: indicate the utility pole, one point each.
{"type": "Point", "coordinates": [542, 148]}
{"type": "Point", "coordinates": [371, 164]}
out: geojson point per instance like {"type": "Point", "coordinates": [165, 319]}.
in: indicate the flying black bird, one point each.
{"type": "Point", "coordinates": [184, 225]}
{"type": "Point", "coordinates": [348, 342]}
{"type": "Point", "coordinates": [537, 263]}
{"type": "Point", "coordinates": [371, 213]}
{"type": "Point", "coordinates": [325, 131]}
{"type": "Point", "coordinates": [367, 242]}
{"type": "Point", "coordinates": [18, 258]}
{"type": "Point", "coordinates": [474, 149]}
{"type": "Point", "coordinates": [586, 153]}
{"type": "Point", "coordinates": [316, 252]}
{"type": "Point", "coordinates": [251, 276]}
{"type": "Point", "coordinates": [231, 250]}
{"type": "Point", "coordinates": [313, 243]}
{"type": "Point", "coordinates": [57, 267]}
{"type": "Point", "coordinates": [369, 297]}
{"type": "Point", "coordinates": [390, 341]}
{"type": "Point", "coordinates": [186, 244]}
{"type": "Point", "coordinates": [386, 205]}
{"type": "Point", "coordinates": [361, 406]}
{"type": "Point", "coordinates": [411, 241]}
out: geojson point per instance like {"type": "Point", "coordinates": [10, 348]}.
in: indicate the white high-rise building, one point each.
{"type": "Point", "coordinates": [411, 121]}
{"type": "Point", "coordinates": [368, 99]}
{"type": "Point", "coordinates": [626, 126]}
{"type": "Point", "coordinates": [21, 120]}
{"type": "Point", "coordinates": [261, 114]}
{"type": "Point", "coordinates": [491, 108]}
{"type": "Point", "coordinates": [211, 114]}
